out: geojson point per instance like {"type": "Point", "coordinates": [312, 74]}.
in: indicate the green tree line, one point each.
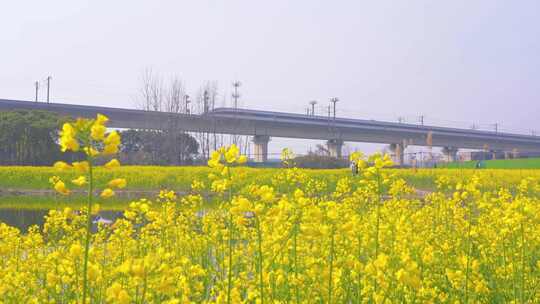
{"type": "Point", "coordinates": [31, 138]}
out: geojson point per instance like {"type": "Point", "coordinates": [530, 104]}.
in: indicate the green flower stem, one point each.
{"type": "Point", "coordinates": [88, 229]}
{"type": "Point", "coordinates": [260, 261]}
{"type": "Point", "coordinates": [330, 278]}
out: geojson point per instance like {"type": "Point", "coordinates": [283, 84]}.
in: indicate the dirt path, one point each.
{"type": "Point", "coordinates": [50, 192]}
{"type": "Point", "coordinates": [422, 193]}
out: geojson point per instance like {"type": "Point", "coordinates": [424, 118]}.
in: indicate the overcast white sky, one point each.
{"type": "Point", "coordinates": [457, 62]}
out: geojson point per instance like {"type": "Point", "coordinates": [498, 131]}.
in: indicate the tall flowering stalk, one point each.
{"type": "Point", "coordinates": [222, 160]}
{"type": "Point", "coordinates": [89, 136]}
{"type": "Point", "coordinates": [379, 179]}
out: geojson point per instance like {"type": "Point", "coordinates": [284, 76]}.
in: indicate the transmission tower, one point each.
{"type": "Point", "coordinates": [313, 103]}
{"type": "Point", "coordinates": [236, 94]}
{"type": "Point", "coordinates": [334, 100]}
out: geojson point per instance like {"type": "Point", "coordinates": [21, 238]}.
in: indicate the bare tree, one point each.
{"type": "Point", "coordinates": [155, 95]}
{"type": "Point", "coordinates": [174, 99]}
{"type": "Point", "coordinates": [150, 97]}
{"type": "Point", "coordinates": [322, 150]}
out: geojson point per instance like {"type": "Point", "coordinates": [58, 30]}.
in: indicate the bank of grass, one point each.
{"type": "Point", "coordinates": [493, 179]}
{"type": "Point", "coordinates": [179, 179]}
{"type": "Point", "coordinates": [145, 177]}
{"type": "Point", "coordinates": [28, 202]}
{"type": "Point", "coordinates": [520, 163]}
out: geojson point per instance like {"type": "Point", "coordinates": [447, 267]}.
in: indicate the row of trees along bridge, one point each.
{"type": "Point", "coordinates": [31, 138]}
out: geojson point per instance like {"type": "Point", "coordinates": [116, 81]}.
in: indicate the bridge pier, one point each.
{"type": "Point", "coordinates": [399, 153]}
{"type": "Point", "coordinates": [261, 148]}
{"type": "Point", "coordinates": [451, 153]}
{"type": "Point", "coordinates": [334, 147]}
{"type": "Point", "coordinates": [515, 153]}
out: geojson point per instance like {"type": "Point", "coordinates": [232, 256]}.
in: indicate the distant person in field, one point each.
{"type": "Point", "coordinates": [354, 168]}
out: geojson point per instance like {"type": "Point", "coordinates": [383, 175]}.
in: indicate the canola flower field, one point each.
{"type": "Point", "coordinates": [181, 178]}
{"type": "Point", "coordinates": [286, 237]}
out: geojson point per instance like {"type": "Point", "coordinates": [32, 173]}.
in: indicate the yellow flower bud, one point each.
{"type": "Point", "coordinates": [101, 119]}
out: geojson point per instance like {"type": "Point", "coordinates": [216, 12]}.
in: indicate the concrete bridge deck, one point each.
{"type": "Point", "coordinates": [265, 124]}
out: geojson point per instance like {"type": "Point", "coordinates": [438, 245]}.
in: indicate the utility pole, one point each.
{"type": "Point", "coordinates": [48, 87]}
{"type": "Point", "coordinates": [334, 100]}
{"type": "Point", "coordinates": [496, 127]}
{"type": "Point", "coordinates": [307, 111]}
{"type": "Point", "coordinates": [473, 126]}
{"type": "Point", "coordinates": [422, 120]}
{"type": "Point", "coordinates": [236, 95]}
{"type": "Point", "coordinates": [313, 103]}
{"type": "Point", "coordinates": [37, 89]}
{"type": "Point", "coordinates": [187, 101]}
{"type": "Point", "coordinates": [328, 111]}
{"type": "Point", "coordinates": [400, 119]}
{"type": "Point", "coordinates": [205, 100]}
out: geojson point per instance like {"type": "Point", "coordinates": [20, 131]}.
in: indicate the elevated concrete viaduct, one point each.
{"type": "Point", "coordinates": [263, 125]}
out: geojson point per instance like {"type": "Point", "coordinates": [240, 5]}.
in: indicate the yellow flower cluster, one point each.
{"type": "Point", "coordinates": [86, 133]}
{"type": "Point", "coordinates": [224, 157]}
{"type": "Point", "coordinates": [90, 135]}
{"type": "Point", "coordinates": [222, 160]}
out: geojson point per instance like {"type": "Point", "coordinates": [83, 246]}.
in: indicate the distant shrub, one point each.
{"type": "Point", "coordinates": [315, 161]}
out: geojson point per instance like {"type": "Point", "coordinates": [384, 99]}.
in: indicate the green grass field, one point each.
{"type": "Point", "coordinates": [58, 202]}
{"type": "Point", "coordinates": [521, 163]}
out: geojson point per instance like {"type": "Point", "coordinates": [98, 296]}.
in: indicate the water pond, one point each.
{"type": "Point", "coordinates": [25, 218]}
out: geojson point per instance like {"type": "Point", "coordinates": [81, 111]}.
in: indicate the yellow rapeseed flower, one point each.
{"type": "Point", "coordinates": [61, 188]}
{"type": "Point", "coordinates": [106, 193]}
{"type": "Point", "coordinates": [113, 163]}
{"type": "Point", "coordinates": [112, 141]}
{"type": "Point", "coordinates": [82, 166]}
{"type": "Point", "coordinates": [117, 183]}
{"type": "Point", "coordinates": [97, 132]}
{"type": "Point", "coordinates": [68, 139]}
{"type": "Point", "coordinates": [80, 181]}
{"type": "Point", "coordinates": [75, 250]}
{"type": "Point", "coordinates": [242, 159]}
{"type": "Point", "coordinates": [91, 151]}
{"type": "Point", "coordinates": [101, 119]}
{"type": "Point", "coordinates": [60, 165]}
